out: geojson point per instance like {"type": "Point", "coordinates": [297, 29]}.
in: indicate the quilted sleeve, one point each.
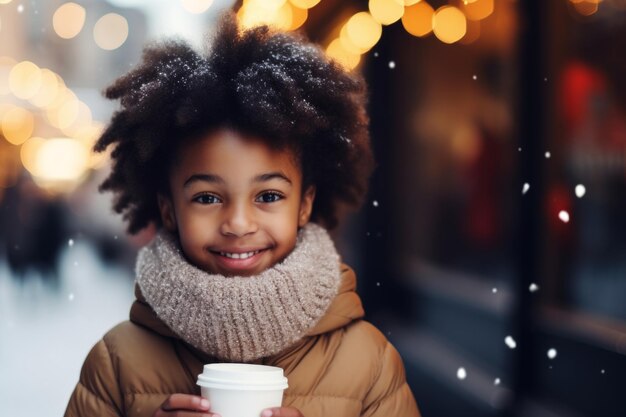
{"type": "Point", "coordinates": [390, 395]}
{"type": "Point", "coordinates": [97, 392]}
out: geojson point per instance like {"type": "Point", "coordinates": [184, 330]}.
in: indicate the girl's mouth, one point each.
{"type": "Point", "coordinates": [237, 262]}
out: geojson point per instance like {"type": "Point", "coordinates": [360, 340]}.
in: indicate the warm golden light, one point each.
{"type": "Point", "coordinates": [418, 19]}
{"type": "Point", "coordinates": [5, 1]}
{"type": "Point", "coordinates": [82, 118]}
{"type": "Point", "coordinates": [478, 9]}
{"type": "Point", "coordinates": [267, 4]}
{"type": "Point", "coordinates": [586, 7]}
{"type": "Point", "coordinates": [6, 64]}
{"type": "Point", "coordinates": [28, 152]}
{"type": "Point", "coordinates": [304, 4]}
{"type": "Point", "coordinates": [17, 125]}
{"type": "Point", "coordinates": [50, 88]}
{"type": "Point", "coordinates": [347, 44]}
{"type": "Point", "coordinates": [196, 6]}
{"type": "Point", "coordinates": [25, 80]}
{"type": "Point", "coordinates": [251, 14]}
{"type": "Point", "coordinates": [63, 110]}
{"type": "Point", "coordinates": [386, 12]}
{"type": "Point", "coordinates": [336, 51]}
{"type": "Point", "coordinates": [60, 159]}
{"type": "Point", "coordinates": [449, 24]}
{"type": "Point", "coordinates": [298, 16]}
{"type": "Point", "coordinates": [363, 30]}
{"type": "Point", "coordinates": [87, 136]}
{"type": "Point", "coordinates": [110, 31]}
{"type": "Point", "coordinates": [68, 20]}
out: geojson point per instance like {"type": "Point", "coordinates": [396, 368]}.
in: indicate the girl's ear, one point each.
{"type": "Point", "coordinates": [306, 206]}
{"type": "Point", "coordinates": [166, 208]}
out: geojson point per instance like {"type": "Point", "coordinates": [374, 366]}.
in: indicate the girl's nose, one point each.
{"type": "Point", "coordinates": [238, 221]}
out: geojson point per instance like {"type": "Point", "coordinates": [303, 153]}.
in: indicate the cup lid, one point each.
{"type": "Point", "coordinates": [243, 376]}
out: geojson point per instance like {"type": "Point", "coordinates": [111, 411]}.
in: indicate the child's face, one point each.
{"type": "Point", "coordinates": [232, 195]}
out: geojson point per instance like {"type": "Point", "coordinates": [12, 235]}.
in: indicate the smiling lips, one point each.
{"type": "Point", "coordinates": [244, 255]}
{"type": "Point", "coordinates": [239, 259]}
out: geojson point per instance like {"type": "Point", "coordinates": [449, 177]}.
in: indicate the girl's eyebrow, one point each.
{"type": "Point", "coordinates": [212, 178]}
{"type": "Point", "coordinates": [270, 176]}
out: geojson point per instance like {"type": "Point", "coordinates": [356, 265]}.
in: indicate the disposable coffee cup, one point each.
{"type": "Point", "coordinates": [242, 390]}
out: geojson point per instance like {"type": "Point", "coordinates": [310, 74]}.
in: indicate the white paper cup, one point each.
{"type": "Point", "coordinates": [242, 390]}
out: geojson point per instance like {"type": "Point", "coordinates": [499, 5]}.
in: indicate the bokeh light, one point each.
{"type": "Point", "coordinates": [298, 16]}
{"type": "Point", "coordinates": [6, 64]}
{"type": "Point", "coordinates": [25, 80]}
{"type": "Point", "coordinates": [196, 6]}
{"type": "Point", "coordinates": [304, 4]}
{"type": "Point", "coordinates": [28, 152]}
{"type": "Point", "coordinates": [336, 51]}
{"type": "Point", "coordinates": [586, 7]}
{"type": "Point", "coordinates": [363, 30]}
{"type": "Point", "coordinates": [17, 125]}
{"type": "Point", "coordinates": [449, 24]}
{"type": "Point", "coordinates": [278, 14]}
{"type": "Point", "coordinates": [418, 19]}
{"type": "Point", "coordinates": [386, 12]}
{"type": "Point", "coordinates": [60, 159]}
{"type": "Point", "coordinates": [68, 20]}
{"type": "Point", "coordinates": [5, 1]}
{"type": "Point", "coordinates": [50, 88]}
{"type": "Point", "coordinates": [110, 31]}
{"type": "Point", "coordinates": [347, 44]}
{"type": "Point", "coordinates": [477, 9]}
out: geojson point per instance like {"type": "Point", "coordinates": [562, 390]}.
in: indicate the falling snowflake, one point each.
{"type": "Point", "coordinates": [496, 381]}
{"type": "Point", "coordinates": [580, 190]}
{"type": "Point", "coordinates": [375, 203]}
{"type": "Point", "coordinates": [20, 8]}
{"type": "Point", "coordinates": [519, 149]}
{"type": "Point", "coordinates": [70, 243]}
{"type": "Point", "coordinates": [75, 263]}
{"type": "Point", "coordinates": [510, 342]}
{"type": "Point", "coordinates": [602, 371]}
{"type": "Point", "coordinates": [525, 188]}
{"type": "Point", "coordinates": [461, 374]}
{"type": "Point", "coordinates": [115, 237]}
{"type": "Point", "coordinates": [494, 290]}
{"type": "Point", "coordinates": [533, 287]}
{"type": "Point", "coordinates": [564, 216]}
{"type": "Point", "coordinates": [548, 155]}
{"type": "Point", "coordinates": [545, 79]}
{"type": "Point", "coordinates": [375, 54]}
{"type": "Point", "coordinates": [392, 64]}
{"type": "Point", "coordinates": [552, 353]}
{"type": "Point", "coordinates": [474, 77]}
{"type": "Point", "coordinates": [70, 297]}
{"type": "Point", "coordinates": [378, 284]}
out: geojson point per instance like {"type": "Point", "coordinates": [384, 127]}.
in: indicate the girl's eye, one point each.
{"type": "Point", "coordinates": [206, 199]}
{"type": "Point", "coordinates": [269, 197]}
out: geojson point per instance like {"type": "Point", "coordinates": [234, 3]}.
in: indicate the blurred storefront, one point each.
{"type": "Point", "coordinates": [492, 249]}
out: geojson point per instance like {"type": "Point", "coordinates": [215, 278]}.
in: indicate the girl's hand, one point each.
{"type": "Point", "coordinates": [184, 405]}
{"type": "Point", "coordinates": [281, 412]}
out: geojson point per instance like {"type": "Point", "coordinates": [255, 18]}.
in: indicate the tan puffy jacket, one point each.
{"type": "Point", "coordinates": [344, 367]}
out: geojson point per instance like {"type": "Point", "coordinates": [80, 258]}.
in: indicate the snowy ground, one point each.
{"type": "Point", "coordinates": [45, 334]}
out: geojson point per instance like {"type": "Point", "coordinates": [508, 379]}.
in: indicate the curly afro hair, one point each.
{"type": "Point", "coordinates": [274, 85]}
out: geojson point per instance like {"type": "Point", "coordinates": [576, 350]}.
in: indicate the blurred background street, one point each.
{"type": "Point", "coordinates": [491, 249]}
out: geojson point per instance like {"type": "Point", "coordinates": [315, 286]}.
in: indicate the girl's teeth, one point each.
{"type": "Point", "coordinates": [239, 255]}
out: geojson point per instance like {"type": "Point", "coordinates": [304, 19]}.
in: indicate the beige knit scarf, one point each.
{"type": "Point", "coordinates": [241, 319]}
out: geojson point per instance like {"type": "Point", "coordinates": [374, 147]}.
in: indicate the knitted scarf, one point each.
{"type": "Point", "coordinates": [240, 319]}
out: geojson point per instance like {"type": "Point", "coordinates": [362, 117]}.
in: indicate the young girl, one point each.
{"type": "Point", "coordinates": [242, 159]}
